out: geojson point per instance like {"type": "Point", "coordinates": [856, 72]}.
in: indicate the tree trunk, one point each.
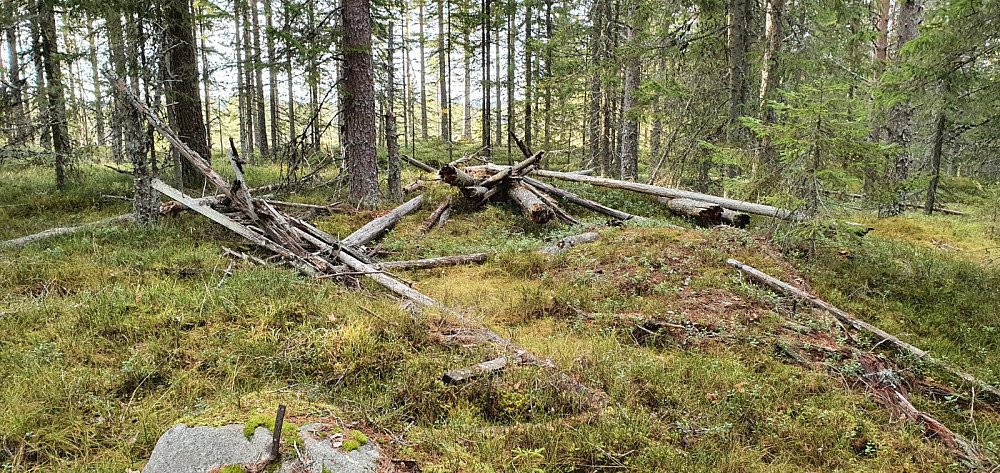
{"type": "Point", "coordinates": [881, 52]}
{"type": "Point", "coordinates": [206, 79]}
{"type": "Point", "coordinates": [423, 74]}
{"type": "Point", "coordinates": [289, 52]}
{"type": "Point", "coordinates": [41, 96]}
{"type": "Point", "coordinates": [630, 122]}
{"type": "Point", "coordinates": [116, 47]}
{"type": "Point", "coordinates": [768, 71]}
{"type": "Point", "coordinates": [360, 95]}
{"type": "Point", "coordinates": [899, 126]}
{"type": "Point", "coordinates": [14, 74]}
{"type": "Point", "coordinates": [183, 93]}
{"type": "Point", "coordinates": [510, 77]}
{"type": "Point", "coordinates": [272, 72]}
{"type": "Point", "coordinates": [394, 183]}
{"type": "Point", "coordinates": [443, 75]}
{"type": "Point", "coordinates": [379, 226]}
{"type": "Point", "coordinates": [935, 161]}
{"type": "Point", "coordinates": [703, 213]}
{"type": "Point", "coordinates": [528, 91]}
{"type": "Point", "coordinates": [739, 13]}
{"type": "Point", "coordinates": [467, 83]}
{"type": "Point", "coordinates": [98, 95]}
{"type": "Point", "coordinates": [533, 207]}
{"type": "Point", "coordinates": [258, 70]}
{"type": "Point", "coordinates": [249, 84]}
{"type": "Point", "coordinates": [594, 78]}
{"type": "Point", "coordinates": [241, 90]}
{"type": "Point", "coordinates": [582, 202]}
{"type": "Point", "coordinates": [56, 96]}
{"type": "Point", "coordinates": [487, 82]}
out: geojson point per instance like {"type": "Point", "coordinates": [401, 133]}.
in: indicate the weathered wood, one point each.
{"type": "Point", "coordinates": [704, 213]}
{"type": "Point", "coordinates": [218, 217]}
{"type": "Point", "coordinates": [53, 232]}
{"type": "Point", "coordinates": [882, 336]}
{"type": "Point", "coordinates": [518, 169]}
{"type": "Point", "coordinates": [435, 215]}
{"type": "Point", "coordinates": [297, 205]}
{"type": "Point", "coordinates": [417, 164]}
{"type": "Point", "coordinates": [738, 205]}
{"type": "Point", "coordinates": [439, 262]}
{"type": "Point", "coordinates": [377, 227]}
{"type": "Point", "coordinates": [559, 212]}
{"type": "Point", "coordinates": [474, 193]}
{"type": "Point", "coordinates": [582, 202]}
{"type": "Point", "coordinates": [457, 177]}
{"type": "Point", "coordinates": [735, 219]}
{"type": "Point", "coordinates": [936, 209]}
{"type": "Point", "coordinates": [565, 244]}
{"type": "Point", "coordinates": [533, 207]}
{"type": "Point", "coordinates": [476, 370]}
{"type": "Point", "coordinates": [413, 186]}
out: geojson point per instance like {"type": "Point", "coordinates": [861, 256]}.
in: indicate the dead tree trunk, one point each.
{"type": "Point", "coordinates": [533, 207]}
{"type": "Point", "coordinates": [380, 225]}
{"type": "Point", "coordinates": [703, 213]}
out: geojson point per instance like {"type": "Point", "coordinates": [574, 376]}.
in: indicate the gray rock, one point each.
{"type": "Point", "coordinates": [319, 452]}
{"type": "Point", "coordinates": [186, 449]}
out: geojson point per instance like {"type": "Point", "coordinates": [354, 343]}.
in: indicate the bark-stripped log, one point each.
{"type": "Point", "coordinates": [417, 164]}
{"type": "Point", "coordinates": [435, 216]}
{"type": "Point", "coordinates": [936, 209]}
{"type": "Point", "coordinates": [739, 205]}
{"type": "Point", "coordinates": [533, 207]}
{"type": "Point", "coordinates": [476, 370]}
{"type": "Point", "coordinates": [881, 335]}
{"type": "Point", "coordinates": [565, 244]}
{"type": "Point", "coordinates": [428, 263]}
{"type": "Point", "coordinates": [582, 202]}
{"type": "Point", "coordinates": [413, 186]}
{"type": "Point", "coordinates": [559, 213]}
{"type": "Point", "coordinates": [377, 227]}
{"type": "Point", "coordinates": [53, 232]}
{"type": "Point", "coordinates": [704, 213]}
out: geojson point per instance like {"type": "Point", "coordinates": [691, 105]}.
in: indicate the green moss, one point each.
{"type": "Point", "coordinates": [233, 469]}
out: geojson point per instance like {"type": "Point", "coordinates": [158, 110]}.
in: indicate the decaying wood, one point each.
{"type": "Point", "coordinates": [297, 205]}
{"type": "Point", "coordinates": [476, 370]}
{"type": "Point", "coordinates": [936, 209]}
{"type": "Point", "coordinates": [582, 202]}
{"type": "Point", "coordinates": [417, 164]}
{"type": "Point", "coordinates": [427, 263]}
{"type": "Point", "coordinates": [880, 377]}
{"type": "Point", "coordinates": [435, 215]}
{"type": "Point", "coordinates": [738, 205]}
{"type": "Point", "coordinates": [735, 219]}
{"type": "Point", "coordinates": [377, 227]}
{"type": "Point", "coordinates": [53, 232]}
{"type": "Point", "coordinates": [883, 337]}
{"type": "Point", "coordinates": [565, 244]}
{"type": "Point", "coordinates": [454, 176]}
{"type": "Point", "coordinates": [703, 213]}
{"type": "Point", "coordinates": [559, 213]}
{"type": "Point", "coordinates": [413, 186]}
{"type": "Point", "coordinates": [533, 207]}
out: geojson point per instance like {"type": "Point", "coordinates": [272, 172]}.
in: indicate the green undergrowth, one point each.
{"type": "Point", "coordinates": [112, 336]}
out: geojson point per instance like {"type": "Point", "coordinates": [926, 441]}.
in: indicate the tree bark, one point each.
{"type": "Point", "coordinates": [98, 95]}
{"type": "Point", "coordinates": [445, 102]}
{"type": "Point", "coordinates": [183, 93]}
{"type": "Point", "coordinates": [272, 72]}
{"type": "Point", "coordinates": [899, 126]}
{"type": "Point", "coordinates": [394, 166]}
{"type": "Point", "coordinates": [936, 147]}
{"type": "Point", "coordinates": [739, 13]}
{"type": "Point", "coordinates": [258, 72]}
{"type": "Point", "coordinates": [423, 73]}
{"type": "Point", "coordinates": [582, 202]}
{"type": "Point", "coordinates": [467, 83]}
{"type": "Point", "coordinates": [360, 96]}
{"type": "Point", "coordinates": [630, 122]}
{"type": "Point", "coordinates": [56, 97]}
{"type": "Point", "coordinates": [42, 95]}
{"type": "Point", "coordinates": [528, 74]}
{"type": "Point", "coordinates": [704, 213]}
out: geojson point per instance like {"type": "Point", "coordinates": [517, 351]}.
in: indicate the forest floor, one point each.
{"type": "Point", "coordinates": [111, 336]}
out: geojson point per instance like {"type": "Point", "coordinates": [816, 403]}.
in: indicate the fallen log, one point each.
{"type": "Point", "coordinates": [417, 164]}
{"type": "Point", "coordinates": [427, 263]}
{"type": "Point", "coordinates": [413, 186]}
{"type": "Point", "coordinates": [53, 232]}
{"type": "Point", "coordinates": [531, 205]}
{"type": "Point", "coordinates": [848, 319]}
{"type": "Point", "coordinates": [435, 216]}
{"type": "Point", "coordinates": [734, 218]}
{"type": "Point", "coordinates": [375, 228]}
{"type": "Point", "coordinates": [936, 209]}
{"type": "Point", "coordinates": [298, 205]}
{"type": "Point", "coordinates": [704, 213]}
{"type": "Point", "coordinates": [732, 204]}
{"type": "Point", "coordinates": [476, 370]}
{"type": "Point", "coordinates": [582, 202]}
{"type": "Point", "coordinates": [454, 176]}
{"type": "Point", "coordinates": [565, 244]}
{"type": "Point", "coordinates": [559, 213]}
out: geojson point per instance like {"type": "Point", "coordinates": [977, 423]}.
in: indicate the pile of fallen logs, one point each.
{"type": "Point", "coordinates": [314, 252]}
{"type": "Point", "coordinates": [537, 200]}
